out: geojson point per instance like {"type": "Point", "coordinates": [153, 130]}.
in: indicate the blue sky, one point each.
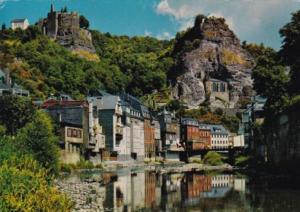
{"type": "Point", "coordinates": [252, 20]}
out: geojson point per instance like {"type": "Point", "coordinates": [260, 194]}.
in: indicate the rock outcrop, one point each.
{"type": "Point", "coordinates": [210, 50]}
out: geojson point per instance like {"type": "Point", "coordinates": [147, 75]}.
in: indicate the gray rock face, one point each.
{"type": "Point", "coordinates": [219, 55]}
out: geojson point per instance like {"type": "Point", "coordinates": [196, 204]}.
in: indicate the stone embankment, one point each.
{"type": "Point", "coordinates": [87, 195]}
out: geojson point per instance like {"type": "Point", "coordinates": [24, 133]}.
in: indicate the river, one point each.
{"type": "Point", "coordinates": [141, 190]}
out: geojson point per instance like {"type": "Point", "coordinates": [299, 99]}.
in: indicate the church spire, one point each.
{"type": "Point", "coordinates": [52, 7]}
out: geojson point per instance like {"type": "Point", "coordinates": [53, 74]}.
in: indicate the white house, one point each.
{"type": "Point", "coordinates": [219, 137]}
{"type": "Point", "coordinates": [20, 23]}
{"type": "Point", "coordinates": [239, 141]}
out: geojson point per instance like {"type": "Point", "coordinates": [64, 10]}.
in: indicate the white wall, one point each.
{"type": "Point", "coordinates": [239, 141]}
{"type": "Point", "coordinates": [219, 141]}
{"type": "Point", "coordinates": [137, 133]}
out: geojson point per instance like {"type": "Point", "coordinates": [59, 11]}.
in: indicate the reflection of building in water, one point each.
{"type": "Point", "coordinates": [158, 189]}
{"type": "Point", "coordinates": [239, 184]}
{"type": "Point", "coordinates": [150, 182]}
{"type": "Point", "coordinates": [196, 184]}
{"type": "Point", "coordinates": [171, 190]}
{"type": "Point", "coordinates": [138, 190]}
{"type": "Point", "coordinates": [148, 190]}
{"type": "Point", "coordinates": [221, 185]}
{"type": "Point", "coordinates": [122, 193]}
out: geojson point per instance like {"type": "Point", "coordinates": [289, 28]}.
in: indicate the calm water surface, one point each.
{"type": "Point", "coordinates": [195, 191]}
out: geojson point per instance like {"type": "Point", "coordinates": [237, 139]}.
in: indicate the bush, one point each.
{"type": "Point", "coordinates": [84, 164]}
{"type": "Point", "coordinates": [24, 187]}
{"type": "Point", "coordinates": [195, 160]}
{"type": "Point", "coordinates": [242, 160]}
{"type": "Point", "coordinates": [213, 159]}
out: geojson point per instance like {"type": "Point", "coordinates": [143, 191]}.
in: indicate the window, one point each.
{"type": "Point", "coordinates": [74, 133]}
{"type": "Point", "coordinates": [69, 132]}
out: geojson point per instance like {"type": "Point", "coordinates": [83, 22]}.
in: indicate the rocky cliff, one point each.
{"type": "Point", "coordinates": [210, 51]}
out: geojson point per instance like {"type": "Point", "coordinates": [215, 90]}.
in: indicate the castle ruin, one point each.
{"type": "Point", "coordinates": [64, 27]}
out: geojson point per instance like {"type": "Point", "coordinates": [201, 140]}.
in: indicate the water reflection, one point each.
{"type": "Point", "coordinates": [135, 191]}
{"type": "Point", "coordinates": [193, 191]}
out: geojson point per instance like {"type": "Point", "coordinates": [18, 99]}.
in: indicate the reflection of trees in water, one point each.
{"type": "Point", "coordinates": [274, 194]}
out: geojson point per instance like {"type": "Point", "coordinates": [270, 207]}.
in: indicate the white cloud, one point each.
{"type": "Point", "coordinates": [147, 33]}
{"type": "Point", "coordinates": [248, 18]}
{"type": "Point", "coordinates": [3, 2]}
{"type": "Point", "coordinates": [164, 36]}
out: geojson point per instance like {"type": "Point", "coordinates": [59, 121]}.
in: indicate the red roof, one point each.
{"type": "Point", "coordinates": [64, 103]}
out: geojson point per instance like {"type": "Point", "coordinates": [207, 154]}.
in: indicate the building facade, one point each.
{"type": "Point", "coordinates": [170, 135]}
{"type": "Point", "coordinates": [205, 136]}
{"type": "Point", "coordinates": [190, 134]}
{"type": "Point", "coordinates": [217, 89]}
{"type": "Point", "coordinates": [20, 24]}
{"type": "Point", "coordinates": [219, 137]}
{"type": "Point", "coordinates": [110, 117]}
{"type": "Point", "coordinates": [72, 118]}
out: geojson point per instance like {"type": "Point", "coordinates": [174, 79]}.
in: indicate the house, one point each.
{"type": "Point", "coordinates": [149, 134]}
{"type": "Point", "coordinates": [9, 87]}
{"type": "Point", "coordinates": [205, 136]}
{"type": "Point", "coordinates": [20, 24]}
{"type": "Point", "coordinates": [157, 137]}
{"type": "Point", "coordinates": [72, 119]}
{"type": "Point", "coordinates": [189, 133]}
{"type": "Point", "coordinates": [170, 135]}
{"type": "Point", "coordinates": [110, 115]}
{"type": "Point", "coordinates": [80, 132]}
{"type": "Point", "coordinates": [217, 89]}
{"type": "Point", "coordinates": [134, 119]}
{"type": "Point", "coordinates": [194, 135]}
{"type": "Point", "coordinates": [219, 137]}
{"type": "Point", "coordinates": [96, 136]}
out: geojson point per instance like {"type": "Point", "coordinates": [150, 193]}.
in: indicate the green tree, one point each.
{"type": "Point", "coordinates": [3, 27]}
{"type": "Point", "coordinates": [37, 138]}
{"type": "Point", "coordinates": [15, 112]}
{"type": "Point", "coordinates": [290, 50]}
{"type": "Point", "coordinates": [83, 22]}
{"type": "Point", "coordinates": [271, 80]}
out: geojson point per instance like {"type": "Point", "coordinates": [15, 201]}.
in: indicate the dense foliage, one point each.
{"type": "Point", "coordinates": [28, 160]}
{"type": "Point", "coordinates": [213, 159]}
{"type": "Point", "coordinates": [15, 113]}
{"type": "Point", "coordinates": [143, 60]}
{"type": "Point", "coordinates": [137, 65]}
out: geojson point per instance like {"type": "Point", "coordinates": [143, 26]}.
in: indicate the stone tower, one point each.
{"type": "Point", "coordinates": [52, 23]}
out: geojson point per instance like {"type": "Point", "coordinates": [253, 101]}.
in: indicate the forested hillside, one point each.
{"type": "Point", "coordinates": [137, 65]}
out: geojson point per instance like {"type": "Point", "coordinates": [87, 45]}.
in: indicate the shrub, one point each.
{"type": "Point", "coordinates": [195, 160]}
{"type": "Point", "coordinates": [24, 188]}
{"type": "Point", "coordinates": [84, 164]}
{"type": "Point", "coordinates": [242, 160]}
{"type": "Point", "coordinates": [213, 158]}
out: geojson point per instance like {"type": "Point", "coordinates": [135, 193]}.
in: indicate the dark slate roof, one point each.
{"type": "Point", "coordinates": [20, 20]}
{"type": "Point", "coordinates": [204, 126]}
{"type": "Point", "coordinates": [218, 129]}
{"type": "Point", "coordinates": [189, 121]}
{"type": "Point", "coordinates": [55, 103]}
